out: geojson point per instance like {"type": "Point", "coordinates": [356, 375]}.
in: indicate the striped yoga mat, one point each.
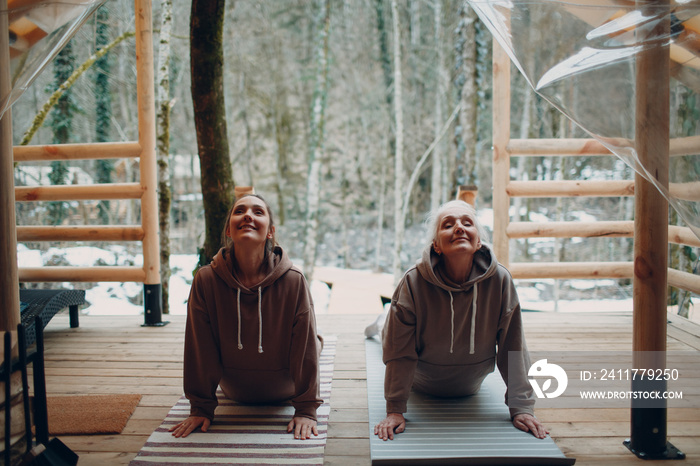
{"type": "Point", "coordinates": [475, 430]}
{"type": "Point", "coordinates": [242, 434]}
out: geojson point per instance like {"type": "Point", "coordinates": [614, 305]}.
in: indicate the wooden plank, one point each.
{"type": "Point", "coordinates": [621, 428]}
{"type": "Point", "coordinates": [89, 458]}
{"type": "Point", "coordinates": [609, 415]}
{"type": "Point", "coordinates": [347, 429]}
{"type": "Point", "coordinates": [96, 150]}
{"type": "Point", "coordinates": [348, 425]}
{"type": "Point", "coordinates": [115, 443]}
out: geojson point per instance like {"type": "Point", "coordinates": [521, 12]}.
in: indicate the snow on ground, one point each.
{"type": "Point", "coordinates": [109, 298]}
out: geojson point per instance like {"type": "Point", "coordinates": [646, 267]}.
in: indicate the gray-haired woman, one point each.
{"type": "Point", "coordinates": [453, 318]}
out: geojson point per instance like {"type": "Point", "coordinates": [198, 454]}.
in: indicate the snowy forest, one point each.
{"type": "Point", "coordinates": [310, 109]}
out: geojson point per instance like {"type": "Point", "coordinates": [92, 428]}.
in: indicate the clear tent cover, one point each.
{"type": "Point", "coordinates": [579, 56]}
{"type": "Point", "coordinates": [38, 30]}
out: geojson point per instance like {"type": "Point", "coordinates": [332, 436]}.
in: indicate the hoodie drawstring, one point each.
{"type": "Point", "coordinates": [473, 326]}
{"type": "Point", "coordinates": [260, 348]}
{"type": "Point", "coordinates": [238, 305]}
{"type": "Point", "coordinates": [452, 335]}
{"type": "Point", "coordinates": [473, 330]}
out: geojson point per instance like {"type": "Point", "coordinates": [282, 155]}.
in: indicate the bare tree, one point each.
{"type": "Point", "coordinates": [206, 61]}
{"type": "Point", "coordinates": [399, 227]}
{"type": "Point", "coordinates": [318, 108]}
{"type": "Point", "coordinates": [438, 180]}
{"type": "Point", "coordinates": [163, 143]}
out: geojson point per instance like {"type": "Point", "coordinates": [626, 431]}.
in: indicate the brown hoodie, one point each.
{"type": "Point", "coordinates": [258, 344]}
{"type": "Point", "coordinates": [444, 338]}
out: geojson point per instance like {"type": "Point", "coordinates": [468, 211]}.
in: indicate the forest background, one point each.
{"type": "Point", "coordinates": [314, 122]}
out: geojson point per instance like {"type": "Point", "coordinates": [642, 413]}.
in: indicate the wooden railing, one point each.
{"type": "Point", "coordinates": [504, 189]}
{"type": "Point", "coordinates": [144, 191]}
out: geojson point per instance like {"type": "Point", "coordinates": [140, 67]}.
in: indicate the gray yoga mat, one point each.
{"type": "Point", "coordinates": [474, 430]}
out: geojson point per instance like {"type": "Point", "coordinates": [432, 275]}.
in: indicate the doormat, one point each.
{"type": "Point", "coordinates": [90, 414]}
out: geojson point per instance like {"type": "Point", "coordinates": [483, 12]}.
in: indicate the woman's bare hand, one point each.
{"type": "Point", "coordinates": [185, 428]}
{"type": "Point", "coordinates": [530, 423]}
{"type": "Point", "coordinates": [393, 423]}
{"type": "Point", "coordinates": [303, 427]}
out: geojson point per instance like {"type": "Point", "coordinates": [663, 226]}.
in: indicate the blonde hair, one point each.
{"type": "Point", "coordinates": [270, 243]}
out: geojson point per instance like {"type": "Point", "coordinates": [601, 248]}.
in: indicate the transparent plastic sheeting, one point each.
{"type": "Point", "coordinates": [38, 30]}
{"type": "Point", "coordinates": [580, 56]}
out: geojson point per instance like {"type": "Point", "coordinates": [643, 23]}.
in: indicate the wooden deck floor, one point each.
{"type": "Point", "coordinates": [117, 355]}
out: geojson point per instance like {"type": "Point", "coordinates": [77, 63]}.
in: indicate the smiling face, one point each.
{"type": "Point", "coordinates": [457, 233]}
{"type": "Point", "coordinates": [249, 222]}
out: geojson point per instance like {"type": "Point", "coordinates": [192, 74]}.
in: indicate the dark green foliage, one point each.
{"type": "Point", "coordinates": [61, 124]}
{"type": "Point", "coordinates": [103, 107]}
{"type": "Point", "coordinates": [684, 258]}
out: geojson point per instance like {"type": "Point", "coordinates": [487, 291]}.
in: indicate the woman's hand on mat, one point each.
{"type": "Point", "coordinates": [530, 423]}
{"type": "Point", "coordinates": [185, 428]}
{"type": "Point", "coordinates": [394, 422]}
{"type": "Point", "coordinates": [303, 427]}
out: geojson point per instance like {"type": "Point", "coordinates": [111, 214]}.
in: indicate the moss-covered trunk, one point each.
{"type": "Point", "coordinates": [206, 61]}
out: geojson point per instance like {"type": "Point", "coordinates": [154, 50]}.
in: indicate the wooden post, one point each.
{"type": "Point", "coordinates": [239, 191]}
{"type": "Point", "coordinates": [648, 424]}
{"type": "Point", "coordinates": [149, 175]}
{"type": "Point", "coordinates": [9, 281]}
{"type": "Point", "coordinates": [501, 157]}
{"type": "Point", "coordinates": [467, 194]}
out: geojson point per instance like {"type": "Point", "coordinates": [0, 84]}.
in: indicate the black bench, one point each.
{"type": "Point", "coordinates": [45, 304]}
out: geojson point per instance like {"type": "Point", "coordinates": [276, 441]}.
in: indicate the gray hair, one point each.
{"type": "Point", "coordinates": [434, 215]}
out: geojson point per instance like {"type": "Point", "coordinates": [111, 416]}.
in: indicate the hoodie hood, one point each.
{"type": "Point", "coordinates": [484, 265]}
{"type": "Point", "coordinates": [277, 264]}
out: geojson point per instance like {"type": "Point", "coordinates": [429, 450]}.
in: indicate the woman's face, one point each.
{"type": "Point", "coordinates": [249, 221]}
{"type": "Point", "coordinates": [457, 233]}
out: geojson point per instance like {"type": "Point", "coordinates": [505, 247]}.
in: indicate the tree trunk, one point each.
{"type": "Point", "coordinates": [206, 64]}
{"type": "Point", "coordinates": [436, 179]}
{"type": "Point", "coordinates": [465, 82]}
{"type": "Point", "coordinates": [248, 140]}
{"type": "Point", "coordinates": [316, 143]}
{"type": "Point", "coordinates": [380, 213]}
{"type": "Point", "coordinates": [163, 143]}
{"type": "Point", "coordinates": [398, 156]}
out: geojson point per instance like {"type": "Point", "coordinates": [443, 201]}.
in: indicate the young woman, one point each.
{"type": "Point", "coordinates": [453, 317]}
{"type": "Point", "coordinates": [251, 327]}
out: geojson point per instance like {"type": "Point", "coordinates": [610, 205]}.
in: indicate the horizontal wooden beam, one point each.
{"type": "Point", "coordinates": [82, 274]}
{"type": "Point", "coordinates": [70, 192]}
{"type": "Point", "coordinates": [682, 235]}
{"type": "Point", "coordinates": [685, 191]}
{"type": "Point", "coordinates": [621, 229]}
{"type": "Point", "coordinates": [684, 280]}
{"type": "Point", "coordinates": [559, 147]}
{"type": "Point", "coordinates": [570, 229]}
{"type": "Point", "coordinates": [588, 147]}
{"type": "Point", "coordinates": [568, 270]}
{"type": "Point", "coordinates": [97, 150]}
{"type": "Point", "coordinates": [80, 233]}
{"type": "Point", "coordinates": [570, 188]}
{"type": "Point", "coordinates": [684, 146]}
